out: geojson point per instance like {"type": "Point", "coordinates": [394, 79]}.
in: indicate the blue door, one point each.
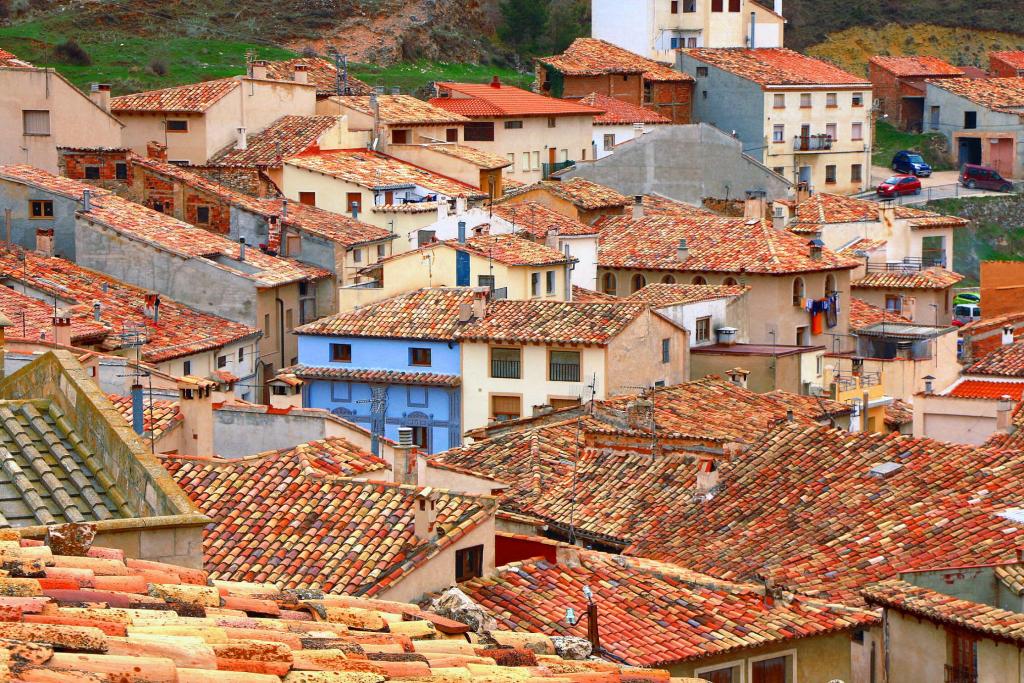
{"type": "Point", "coordinates": [461, 269]}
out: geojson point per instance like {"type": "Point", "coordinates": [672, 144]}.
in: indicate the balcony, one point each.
{"type": "Point", "coordinates": [909, 265]}
{"type": "Point", "coordinates": [958, 674]}
{"type": "Point", "coordinates": [505, 369]}
{"type": "Point", "coordinates": [564, 372]}
{"type": "Point", "coordinates": [549, 170]}
{"type": "Point", "coordinates": [812, 143]}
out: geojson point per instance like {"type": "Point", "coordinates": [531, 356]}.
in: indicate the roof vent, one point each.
{"type": "Point", "coordinates": [885, 470]}
{"type": "Point", "coordinates": [682, 251]}
{"type": "Point", "coordinates": [405, 437]}
{"type": "Point", "coordinates": [495, 82]}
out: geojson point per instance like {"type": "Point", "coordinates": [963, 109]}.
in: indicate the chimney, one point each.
{"type": "Point", "coordinates": [480, 303]}
{"type": "Point", "coordinates": [495, 82]}
{"type": "Point", "coordinates": [62, 327]}
{"type": "Point", "coordinates": [779, 217]}
{"type": "Point", "coordinates": [44, 241]}
{"type": "Point", "coordinates": [241, 248]}
{"type": "Point", "coordinates": [404, 468]}
{"type": "Point", "coordinates": [1004, 409]}
{"type": "Point", "coordinates": [789, 415]}
{"type": "Point", "coordinates": [196, 405]}
{"type": "Point", "coordinates": [756, 204]}
{"type": "Point", "coordinates": [816, 246]}
{"type": "Point", "coordinates": [465, 313]}
{"type": "Point", "coordinates": [638, 207]}
{"type": "Point", "coordinates": [707, 479]}
{"type": "Point", "coordinates": [551, 239]}
{"type": "Point", "coordinates": [738, 376]}
{"type": "Point", "coordinates": [640, 413]}
{"type": "Point", "coordinates": [152, 307]}
{"type": "Point", "coordinates": [462, 232]}
{"type": "Point", "coordinates": [100, 94]}
{"type": "Point", "coordinates": [243, 139]}
{"type": "Point", "coordinates": [753, 29]}
{"type": "Point", "coordinates": [460, 206]}
{"type": "Point", "coordinates": [86, 201]}
{"type": "Point", "coordinates": [904, 350]}
{"type": "Point", "coordinates": [442, 210]}
{"type": "Point", "coordinates": [156, 150]}
{"type": "Point", "coordinates": [1007, 335]}
{"type": "Point", "coordinates": [638, 130]}
{"type": "Point", "coordinates": [301, 73]}
{"type": "Point", "coordinates": [259, 68]}
{"type": "Point", "coordinates": [778, 7]}
{"type": "Point", "coordinates": [726, 335]}
{"type": "Point", "coordinates": [424, 514]}
{"type": "Point", "coordinates": [543, 409]}
{"type": "Point", "coordinates": [682, 251]}
{"type": "Point", "coordinates": [138, 408]}
{"type": "Point", "coordinates": [803, 192]}
{"type": "Point", "coordinates": [929, 384]}
{"type": "Point", "coordinates": [355, 210]}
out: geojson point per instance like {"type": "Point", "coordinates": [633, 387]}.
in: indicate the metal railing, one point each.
{"type": "Point", "coordinates": [909, 264]}
{"type": "Point", "coordinates": [960, 675]}
{"type": "Point", "coordinates": [549, 170]}
{"type": "Point", "coordinates": [505, 369]}
{"type": "Point", "coordinates": [812, 143]}
{"type": "Point", "coordinates": [564, 372]}
{"type": "Point", "coordinates": [849, 382]}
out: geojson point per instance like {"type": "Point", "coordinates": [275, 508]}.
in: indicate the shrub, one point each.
{"type": "Point", "coordinates": [70, 52]}
{"type": "Point", "coordinates": [158, 67]}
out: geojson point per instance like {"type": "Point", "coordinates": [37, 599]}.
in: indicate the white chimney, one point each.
{"type": "Point", "coordinates": [778, 7]}
{"type": "Point", "coordinates": [707, 478]}
{"type": "Point", "coordinates": [301, 74]}
{"type": "Point", "coordinates": [243, 139]}
{"type": "Point", "coordinates": [241, 248]}
{"type": "Point", "coordinates": [195, 402]}
{"type": "Point", "coordinates": [638, 207]}
{"type": "Point", "coordinates": [1004, 409]}
{"type": "Point", "coordinates": [259, 68]}
{"type": "Point", "coordinates": [460, 206]}
{"type": "Point", "coordinates": [404, 468]}
{"type": "Point", "coordinates": [682, 251]}
{"type": "Point", "coordinates": [100, 94]}
{"type": "Point", "coordinates": [738, 376]}
{"type": "Point", "coordinates": [1007, 335]}
{"type": "Point", "coordinates": [62, 328]}
{"type": "Point", "coordinates": [424, 514]}
{"type": "Point", "coordinates": [442, 210]}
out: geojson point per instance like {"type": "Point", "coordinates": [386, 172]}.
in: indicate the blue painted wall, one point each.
{"type": "Point", "coordinates": [16, 196]}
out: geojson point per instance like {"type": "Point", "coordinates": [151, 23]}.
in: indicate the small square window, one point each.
{"type": "Point", "coordinates": [830, 174]}
{"type": "Point", "coordinates": [549, 284]}
{"type": "Point", "coordinates": [703, 329]}
{"type": "Point", "coordinates": [36, 121]}
{"type": "Point", "coordinates": [418, 397]}
{"type": "Point", "coordinates": [419, 357]}
{"type": "Point", "coordinates": [400, 136]}
{"type": "Point", "coordinates": [856, 173]}
{"type": "Point", "coordinates": [177, 125]}
{"type": "Point", "coordinates": [121, 170]}
{"type": "Point", "coordinates": [469, 563]}
{"type": "Point", "coordinates": [779, 101]}
{"type": "Point", "coordinates": [831, 99]}
{"type": "Point", "coordinates": [781, 170]}
{"type": "Point", "coordinates": [451, 135]}
{"type": "Point", "coordinates": [381, 251]}
{"type": "Point", "coordinates": [341, 392]}
{"type": "Point", "coordinates": [41, 208]}
{"type": "Point", "coordinates": [357, 255]}
{"type": "Point", "coordinates": [552, 121]}
{"type": "Point", "coordinates": [222, 362]}
{"type": "Point", "coordinates": [857, 131]}
{"type": "Point", "coordinates": [341, 353]}
{"type": "Point", "coordinates": [858, 99]}
{"type": "Point", "coordinates": [805, 100]}
{"type": "Point", "coordinates": [307, 198]}
{"type": "Point", "coordinates": [609, 142]}
{"type": "Point", "coordinates": [278, 390]}
{"type": "Point", "coordinates": [202, 214]}
{"type": "Point", "coordinates": [779, 132]}
{"type": "Point", "coordinates": [513, 125]}
{"type": "Point", "coordinates": [92, 172]}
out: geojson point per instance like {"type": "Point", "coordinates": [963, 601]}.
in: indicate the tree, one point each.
{"type": "Point", "coordinates": [524, 24]}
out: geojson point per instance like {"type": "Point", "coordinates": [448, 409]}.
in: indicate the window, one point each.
{"type": "Point", "coordinates": [799, 291]}
{"type": "Point", "coordinates": [419, 356]}
{"type": "Point", "coordinates": [668, 279]}
{"type": "Point", "coordinates": [781, 170]}
{"type": "Point", "coordinates": [549, 282]}
{"type": "Point", "coordinates": [933, 250]}
{"type": "Point", "coordinates": [186, 368]}
{"type": "Point", "coordinates": [552, 121]}
{"type": "Point", "coordinates": [717, 5]}
{"type": "Point", "coordinates": [506, 408]}
{"type": "Point", "coordinates": [830, 285]}
{"type": "Point", "coordinates": [241, 355]}
{"type": "Point", "coordinates": [779, 132]}
{"type": "Point", "coordinates": [289, 322]}
{"type": "Point", "coordinates": [506, 363]}
{"type": "Point", "coordinates": [534, 284]}
{"type": "Point", "coordinates": [666, 350]}
{"type": "Point", "coordinates": [963, 657]}
{"type": "Point", "coordinates": [400, 136]}
{"type": "Point", "coordinates": [857, 100]}
{"type": "Point", "coordinates": [609, 142]}
{"type": "Point", "coordinates": [830, 130]}
{"type": "Point", "coordinates": [894, 303]}
{"type": "Point", "coordinates": [92, 172]}
{"type": "Point", "coordinates": [526, 161]}
{"type": "Point", "coordinates": [356, 199]}
{"type": "Point", "coordinates": [469, 563]}
{"type": "Point", "coordinates": [564, 366]}
{"type": "Point", "coordinates": [934, 116]}
{"type": "Point", "coordinates": [805, 100]}
{"type": "Point", "coordinates": [307, 198]}
{"type": "Point", "coordinates": [830, 174]}
{"type": "Point", "coordinates": [857, 131]}
{"type": "Point", "coordinates": [485, 281]}
{"type": "Point", "coordinates": [609, 285]}
{"type": "Point", "coordinates": [202, 214]}
{"type": "Point", "coordinates": [478, 131]}
{"type": "Point", "coordinates": [536, 161]}
{"type": "Point", "coordinates": [451, 135]}
{"type": "Point", "coordinates": [222, 362]}
{"type": "Point", "coordinates": [357, 255]}
{"type": "Point", "coordinates": [560, 403]}
{"type": "Point", "coordinates": [513, 125]}
{"type": "Point", "coordinates": [341, 392]}
{"type": "Point", "coordinates": [970, 119]}
{"type": "Point", "coordinates": [675, 7]}
{"type": "Point", "coordinates": [341, 353]}
{"type": "Point", "coordinates": [730, 282]}
{"type": "Point", "coordinates": [279, 390]}
{"type": "Point", "coordinates": [722, 673]}
{"type": "Point", "coordinates": [177, 125]}
{"type": "Point", "coordinates": [511, 160]}
{"type": "Point", "coordinates": [779, 101]}
{"type": "Point", "coordinates": [856, 173]}
{"type": "Point", "coordinates": [382, 251]}
{"type": "Point", "coordinates": [698, 280]}
{"type": "Point", "coordinates": [648, 92]}
{"type": "Point", "coordinates": [770, 670]}
{"type": "Point", "coordinates": [831, 99]}
{"type": "Point", "coordinates": [40, 208]}
{"type": "Point", "coordinates": [702, 330]}
{"type": "Point", "coordinates": [121, 170]}
{"type": "Point", "coordinates": [734, 5]}
{"type": "Point", "coordinates": [702, 72]}
{"type": "Point", "coordinates": [639, 282]}
{"type": "Point", "coordinates": [266, 325]}
{"type": "Point", "coordinates": [36, 121]}
{"type": "Point", "coordinates": [421, 437]}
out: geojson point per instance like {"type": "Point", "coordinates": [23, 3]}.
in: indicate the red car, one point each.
{"type": "Point", "coordinates": [899, 185]}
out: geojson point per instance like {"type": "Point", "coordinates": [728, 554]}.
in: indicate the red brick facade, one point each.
{"type": "Point", "coordinates": [1010, 65]}
{"type": "Point", "coordinates": [673, 99]}
{"type": "Point", "coordinates": [901, 98]}
{"type": "Point", "coordinates": [75, 164]}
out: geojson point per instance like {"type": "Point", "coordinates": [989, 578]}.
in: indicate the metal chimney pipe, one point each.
{"type": "Point", "coordinates": [86, 201]}
{"type": "Point", "coordinates": [355, 211]}
{"type": "Point", "coordinates": [753, 28]}
{"type": "Point", "coordinates": [138, 424]}
{"type": "Point", "coordinates": [241, 248]}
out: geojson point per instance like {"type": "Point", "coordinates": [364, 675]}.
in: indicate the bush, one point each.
{"type": "Point", "coordinates": [70, 52]}
{"type": "Point", "coordinates": [158, 67]}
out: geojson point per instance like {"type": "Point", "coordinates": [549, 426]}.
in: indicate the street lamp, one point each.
{"type": "Point", "coordinates": [593, 634]}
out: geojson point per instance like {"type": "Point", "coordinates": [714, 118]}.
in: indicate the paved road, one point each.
{"type": "Point", "coordinates": [941, 185]}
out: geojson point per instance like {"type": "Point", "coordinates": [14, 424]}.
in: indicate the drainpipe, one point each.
{"type": "Point", "coordinates": [753, 28]}
{"type": "Point", "coordinates": [568, 273]}
{"type": "Point", "coordinates": [280, 325]}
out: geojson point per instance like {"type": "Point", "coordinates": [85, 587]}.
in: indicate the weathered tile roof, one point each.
{"type": "Point", "coordinates": [863, 314]}
{"type": "Point", "coordinates": [581, 193]}
{"type": "Point", "coordinates": [9, 60]}
{"type": "Point", "coordinates": [1014, 58]}
{"type": "Point", "coordinates": [1011, 576]}
{"type": "Point", "coordinates": [656, 614]}
{"type": "Point", "coordinates": [660, 294]}
{"type": "Point", "coordinates": [864, 245]}
{"type": "Point", "coordinates": [374, 376]}
{"type": "Point", "coordinates": [284, 138]}
{"type": "Point", "coordinates": [374, 171]}
{"type": "Point", "coordinates": [180, 331]}
{"type": "Point", "coordinates": [617, 112]}
{"type": "Point", "coordinates": [59, 185]}
{"type": "Point", "coordinates": [191, 98]}
{"type": "Point", "coordinates": [775, 66]}
{"type": "Point", "coordinates": [487, 101]}
{"type": "Point", "coordinates": [538, 220]}
{"type": "Point", "coordinates": [158, 416]}
{"type": "Point", "coordinates": [927, 278]}
{"type": "Point", "coordinates": [836, 520]}
{"type": "Point", "coordinates": [988, 389]}
{"type": "Point", "coordinates": [1007, 361]}
{"type": "Point", "coordinates": [1013, 440]}
{"type": "Point", "coordinates": [484, 160]}
{"type": "Point", "coordinates": [81, 617]}
{"type": "Point", "coordinates": [916, 66]}
{"type": "Point", "coordinates": [898, 413]}
{"type": "Point", "coordinates": [404, 110]}
{"type": "Point", "coordinates": [510, 249]}
{"type": "Point", "coordinates": [936, 607]}
{"type": "Point", "coordinates": [588, 296]}
{"type": "Point", "coordinates": [320, 72]}
{"type": "Point", "coordinates": [293, 518]}
{"type": "Point", "coordinates": [823, 208]}
{"type": "Point", "coordinates": [249, 180]}
{"type": "Point", "coordinates": [422, 314]}
{"type": "Point", "coordinates": [552, 322]}
{"type": "Point", "coordinates": [595, 57]}
{"type": "Point", "coordinates": [33, 319]}
{"type": "Point", "coordinates": [715, 244]}
{"type": "Point", "coordinates": [659, 205]}
{"type": "Point", "coordinates": [998, 94]}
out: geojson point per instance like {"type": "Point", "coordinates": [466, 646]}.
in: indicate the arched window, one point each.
{"type": "Point", "coordinates": [699, 280]}
{"type": "Point", "coordinates": [830, 284]}
{"type": "Point", "coordinates": [609, 284]}
{"type": "Point", "coordinates": [799, 291]}
{"type": "Point", "coordinates": [730, 282]}
{"type": "Point", "coordinates": [668, 280]}
{"type": "Point", "coordinates": [639, 282]}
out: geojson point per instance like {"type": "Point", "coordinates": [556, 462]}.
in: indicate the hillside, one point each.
{"type": "Point", "coordinates": [995, 232]}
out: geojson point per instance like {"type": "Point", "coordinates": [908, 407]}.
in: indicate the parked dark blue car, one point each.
{"type": "Point", "coordinates": [911, 163]}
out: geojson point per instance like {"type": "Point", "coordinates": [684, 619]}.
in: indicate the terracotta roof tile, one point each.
{"type": "Point", "coordinates": [588, 296]}
{"type": "Point", "coordinates": [863, 314]}
{"type": "Point", "coordinates": [989, 389]}
{"type": "Point", "coordinates": [484, 160]}
{"type": "Point", "coordinates": [916, 66]}
{"type": "Point", "coordinates": [374, 170]}
{"type": "Point", "coordinates": [837, 521]}
{"type": "Point", "coordinates": [32, 318]}
{"type": "Point", "coordinates": [660, 294]}
{"type": "Point", "coordinates": [486, 101]}
{"type": "Point", "coordinates": [579, 192]}
{"type": "Point", "coordinates": [538, 220]}
{"type": "Point", "coordinates": [320, 72]}
{"type": "Point", "coordinates": [998, 94]}
{"type": "Point", "coordinates": [1014, 58]}
{"type": "Point", "coordinates": [715, 244]}
{"type": "Point", "coordinates": [618, 112]}
{"type": "Point", "coordinates": [249, 180]}
{"type": "Point", "coordinates": [775, 66]}
{"type": "Point", "coordinates": [1011, 576]}
{"type": "Point", "coordinates": [864, 245]}
{"type": "Point", "coordinates": [824, 208]}
{"type": "Point", "coordinates": [659, 205]}
{"type": "Point", "coordinates": [594, 57]}
{"type": "Point", "coordinates": [191, 98]}
{"type": "Point", "coordinates": [552, 322]}
{"type": "Point", "coordinates": [655, 614]}
{"type": "Point", "coordinates": [36, 177]}
{"type": "Point", "coordinates": [510, 249]}
{"type": "Point", "coordinates": [404, 110]}
{"type": "Point", "coordinates": [928, 278]}
{"type": "Point", "coordinates": [374, 376]}
{"type": "Point", "coordinates": [898, 413]}
{"type": "Point", "coordinates": [10, 60]}
{"type": "Point", "coordinates": [1007, 361]}
{"type": "Point", "coordinates": [284, 138]}
{"type": "Point", "coordinates": [422, 314]}
{"type": "Point", "coordinates": [158, 416]}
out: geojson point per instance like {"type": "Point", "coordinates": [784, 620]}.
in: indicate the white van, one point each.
{"type": "Point", "coordinates": [966, 313]}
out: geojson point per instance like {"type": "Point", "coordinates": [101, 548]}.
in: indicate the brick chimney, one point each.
{"type": "Point", "coordinates": [495, 81]}
{"type": "Point", "coordinates": [258, 68]}
{"type": "Point", "coordinates": [196, 405]}
{"type": "Point", "coordinates": [480, 303]}
{"type": "Point", "coordinates": [755, 205]}
{"type": "Point", "coordinates": [62, 327]}
{"type": "Point", "coordinates": [301, 74]}
{"type": "Point", "coordinates": [424, 513]}
{"type": "Point", "coordinates": [156, 150]}
{"type": "Point", "coordinates": [738, 376]}
{"type": "Point", "coordinates": [100, 94]}
{"type": "Point", "coordinates": [44, 241]}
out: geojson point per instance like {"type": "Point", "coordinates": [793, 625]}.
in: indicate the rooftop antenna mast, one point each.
{"type": "Point", "coordinates": [592, 387]}
{"type": "Point", "coordinates": [133, 336]}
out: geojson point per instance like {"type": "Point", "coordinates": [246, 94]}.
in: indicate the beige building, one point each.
{"type": "Point", "coordinates": [525, 355]}
{"type": "Point", "coordinates": [40, 110]}
{"type": "Point", "coordinates": [538, 135]}
{"type": "Point", "coordinates": [199, 120]}
{"type": "Point", "coordinates": [576, 198]}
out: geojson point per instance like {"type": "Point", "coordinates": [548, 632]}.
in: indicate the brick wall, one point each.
{"type": "Point", "coordinates": [1002, 288]}
{"type": "Point", "coordinates": [673, 99]}
{"type": "Point", "coordinates": [1000, 69]}
{"type": "Point", "coordinates": [887, 89]}
{"type": "Point", "coordinates": [72, 164]}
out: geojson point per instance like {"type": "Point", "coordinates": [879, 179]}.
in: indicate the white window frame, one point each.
{"type": "Point", "coordinates": [741, 663]}
{"type": "Point", "coordinates": [779, 128]}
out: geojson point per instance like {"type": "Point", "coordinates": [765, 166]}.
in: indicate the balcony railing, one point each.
{"type": "Point", "coordinates": [909, 264]}
{"type": "Point", "coordinates": [564, 372]}
{"type": "Point", "coordinates": [551, 169]}
{"type": "Point", "coordinates": [505, 369]}
{"type": "Point", "coordinates": [960, 675]}
{"type": "Point", "coordinates": [812, 143]}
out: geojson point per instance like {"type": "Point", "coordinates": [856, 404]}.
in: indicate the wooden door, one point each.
{"type": "Point", "coordinates": [719, 676]}
{"type": "Point", "coordinates": [552, 156]}
{"type": "Point", "coordinates": [769, 671]}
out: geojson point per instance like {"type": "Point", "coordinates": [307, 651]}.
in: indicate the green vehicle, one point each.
{"type": "Point", "coordinates": [967, 298]}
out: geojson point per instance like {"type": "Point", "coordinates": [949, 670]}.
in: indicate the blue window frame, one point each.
{"type": "Point", "coordinates": [417, 397]}
{"type": "Point", "coordinates": [341, 392]}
